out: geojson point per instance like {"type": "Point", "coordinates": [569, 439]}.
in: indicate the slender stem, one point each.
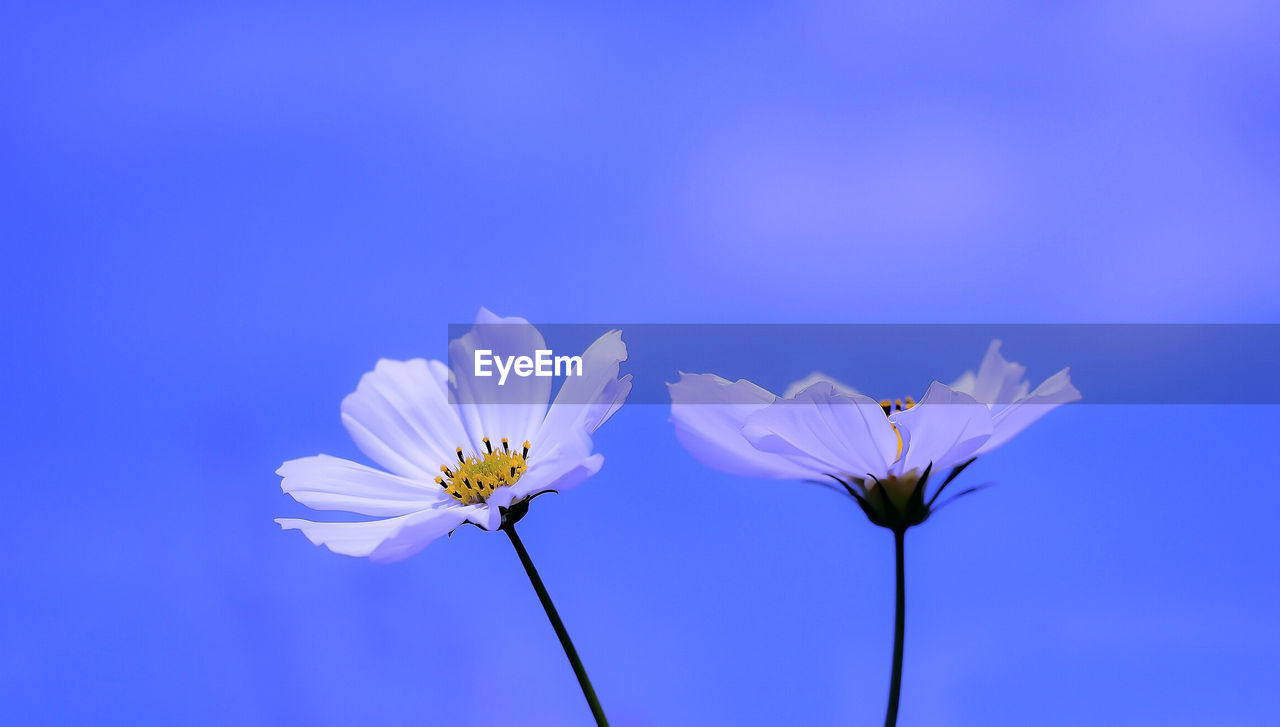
{"type": "Point", "coordinates": [558, 625]}
{"type": "Point", "coordinates": [899, 631]}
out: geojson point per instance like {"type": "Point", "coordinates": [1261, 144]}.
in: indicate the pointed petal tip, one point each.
{"type": "Point", "coordinates": [294, 523]}
{"type": "Point", "coordinates": [296, 462]}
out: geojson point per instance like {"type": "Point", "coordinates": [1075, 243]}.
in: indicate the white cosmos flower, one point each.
{"type": "Point", "coordinates": [488, 451]}
{"type": "Point", "coordinates": [879, 452]}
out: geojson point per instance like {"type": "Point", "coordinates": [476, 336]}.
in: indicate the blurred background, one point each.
{"type": "Point", "coordinates": [217, 217]}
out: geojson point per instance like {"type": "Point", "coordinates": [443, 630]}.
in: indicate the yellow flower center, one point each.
{"type": "Point", "coordinates": [896, 405]}
{"type": "Point", "coordinates": [473, 479]}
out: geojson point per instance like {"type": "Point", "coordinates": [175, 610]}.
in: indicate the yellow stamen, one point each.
{"type": "Point", "coordinates": [475, 478]}
{"type": "Point", "coordinates": [896, 405]}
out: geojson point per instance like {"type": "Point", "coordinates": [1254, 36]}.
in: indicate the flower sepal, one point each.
{"type": "Point", "coordinates": [898, 502]}
{"type": "Point", "coordinates": [516, 511]}
{"type": "Point", "coordinates": [511, 514]}
{"type": "Point", "coordinates": [895, 502]}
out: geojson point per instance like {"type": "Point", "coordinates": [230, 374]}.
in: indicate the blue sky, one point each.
{"type": "Point", "coordinates": [218, 217]}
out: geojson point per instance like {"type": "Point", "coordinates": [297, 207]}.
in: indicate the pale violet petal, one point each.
{"type": "Point", "coordinates": [708, 413]}
{"type": "Point", "coordinates": [489, 406]}
{"type": "Point", "coordinates": [946, 428]}
{"type": "Point", "coordinates": [329, 483]}
{"type": "Point", "coordinates": [997, 382]}
{"type": "Point", "coordinates": [559, 474]}
{"type": "Point", "coordinates": [826, 432]}
{"type": "Point", "coordinates": [586, 401]}
{"type": "Point", "coordinates": [610, 400]}
{"type": "Point", "coordinates": [381, 540]}
{"type": "Point", "coordinates": [818, 377]}
{"type": "Point", "coordinates": [1009, 421]}
{"type": "Point", "coordinates": [488, 514]}
{"type": "Point", "coordinates": [966, 383]}
{"type": "Point", "coordinates": [400, 416]}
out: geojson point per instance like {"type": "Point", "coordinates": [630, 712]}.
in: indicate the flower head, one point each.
{"type": "Point", "coordinates": [882, 453]}
{"type": "Point", "coordinates": [456, 448]}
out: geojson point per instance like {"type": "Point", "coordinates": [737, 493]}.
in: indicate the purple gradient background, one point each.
{"type": "Point", "coordinates": [217, 217]}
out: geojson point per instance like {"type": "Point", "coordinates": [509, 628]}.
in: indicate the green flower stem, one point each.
{"type": "Point", "coordinates": [899, 631]}
{"type": "Point", "coordinates": [558, 625]}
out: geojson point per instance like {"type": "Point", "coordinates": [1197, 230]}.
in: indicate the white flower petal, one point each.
{"type": "Point", "coordinates": [998, 382]}
{"type": "Point", "coordinates": [585, 402]}
{"type": "Point", "coordinates": [610, 400]}
{"type": "Point", "coordinates": [946, 428]}
{"type": "Point", "coordinates": [818, 377]}
{"type": "Point", "coordinates": [330, 483]}
{"type": "Point", "coordinates": [382, 541]}
{"type": "Point", "coordinates": [512, 409]}
{"type": "Point", "coordinates": [826, 432]}
{"type": "Point", "coordinates": [488, 514]}
{"type": "Point", "coordinates": [559, 474]}
{"type": "Point", "coordinates": [1009, 421]}
{"type": "Point", "coordinates": [708, 413]}
{"type": "Point", "coordinates": [401, 418]}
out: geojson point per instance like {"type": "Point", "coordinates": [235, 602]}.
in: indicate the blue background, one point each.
{"type": "Point", "coordinates": [216, 218]}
